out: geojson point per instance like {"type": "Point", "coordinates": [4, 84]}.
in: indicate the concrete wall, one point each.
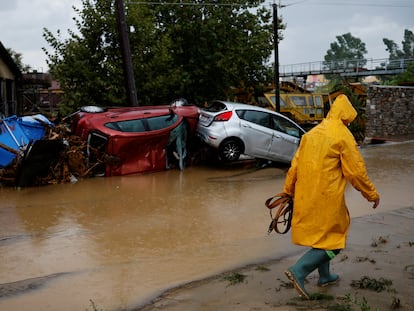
{"type": "Point", "coordinates": [389, 112]}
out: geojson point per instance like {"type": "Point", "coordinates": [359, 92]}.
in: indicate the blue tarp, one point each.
{"type": "Point", "coordinates": [18, 132]}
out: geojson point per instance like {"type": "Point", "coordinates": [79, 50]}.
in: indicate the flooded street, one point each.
{"type": "Point", "coordinates": [121, 241]}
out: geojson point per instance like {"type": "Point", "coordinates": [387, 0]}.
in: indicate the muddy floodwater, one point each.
{"type": "Point", "coordinates": [121, 241]}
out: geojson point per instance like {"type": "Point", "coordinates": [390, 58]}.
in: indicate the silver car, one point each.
{"type": "Point", "coordinates": [234, 129]}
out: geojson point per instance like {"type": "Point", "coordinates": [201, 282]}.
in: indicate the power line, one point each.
{"type": "Point", "coordinates": [360, 3]}
{"type": "Point", "coordinates": [309, 2]}
{"type": "Point", "coordinates": [186, 3]}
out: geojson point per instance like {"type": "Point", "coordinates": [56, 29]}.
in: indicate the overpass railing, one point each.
{"type": "Point", "coordinates": [361, 67]}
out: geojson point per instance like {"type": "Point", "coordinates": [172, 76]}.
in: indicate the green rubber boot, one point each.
{"type": "Point", "coordinates": [325, 277]}
{"type": "Point", "coordinates": [311, 260]}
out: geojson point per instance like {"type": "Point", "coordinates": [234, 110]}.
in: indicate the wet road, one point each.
{"type": "Point", "coordinates": [120, 241]}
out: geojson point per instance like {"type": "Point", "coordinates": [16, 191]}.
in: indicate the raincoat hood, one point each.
{"type": "Point", "coordinates": [342, 109]}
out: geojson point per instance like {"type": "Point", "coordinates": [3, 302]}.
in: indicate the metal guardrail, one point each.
{"type": "Point", "coordinates": [362, 67]}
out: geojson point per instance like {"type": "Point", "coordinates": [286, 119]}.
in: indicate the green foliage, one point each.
{"type": "Point", "coordinates": [94, 306]}
{"type": "Point", "coordinates": [190, 51]}
{"type": "Point", "coordinates": [407, 77]}
{"type": "Point", "coordinates": [372, 284]}
{"type": "Point", "coordinates": [18, 59]}
{"type": "Point", "coordinates": [351, 302]}
{"type": "Point", "coordinates": [379, 241]}
{"type": "Point", "coordinates": [395, 54]}
{"type": "Point", "coordinates": [235, 278]}
{"type": "Point", "coordinates": [340, 307]}
{"type": "Point", "coordinates": [321, 296]}
{"type": "Point", "coordinates": [88, 65]}
{"type": "Point", "coordinates": [361, 303]}
{"type": "Point", "coordinates": [346, 53]}
{"type": "Point", "coordinates": [407, 50]}
{"type": "Point", "coordinates": [262, 268]}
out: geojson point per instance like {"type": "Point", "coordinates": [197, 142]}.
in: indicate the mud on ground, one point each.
{"type": "Point", "coordinates": [376, 271]}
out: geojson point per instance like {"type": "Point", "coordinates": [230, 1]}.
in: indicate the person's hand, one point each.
{"type": "Point", "coordinates": [376, 202]}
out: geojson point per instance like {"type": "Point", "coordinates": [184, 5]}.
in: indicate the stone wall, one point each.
{"type": "Point", "coordinates": [389, 112]}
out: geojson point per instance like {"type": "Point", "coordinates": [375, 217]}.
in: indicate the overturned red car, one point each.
{"type": "Point", "coordinates": [128, 140]}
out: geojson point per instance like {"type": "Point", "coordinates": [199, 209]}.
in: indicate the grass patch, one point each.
{"type": "Point", "coordinates": [286, 284]}
{"type": "Point", "coordinates": [322, 301]}
{"type": "Point", "coordinates": [235, 278]}
{"type": "Point", "coordinates": [94, 306]}
{"type": "Point", "coordinates": [372, 284]}
{"type": "Point", "coordinates": [378, 241]}
{"type": "Point", "coordinates": [343, 258]}
{"type": "Point", "coordinates": [262, 269]}
{"type": "Point", "coordinates": [339, 307]}
{"type": "Point", "coordinates": [352, 304]}
{"type": "Point", "coordinates": [320, 296]}
{"type": "Point", "coordinates": [363, 259]}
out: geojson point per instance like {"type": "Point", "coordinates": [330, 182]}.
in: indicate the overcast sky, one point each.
{"type": "Point", "coordinates": [312, 25]}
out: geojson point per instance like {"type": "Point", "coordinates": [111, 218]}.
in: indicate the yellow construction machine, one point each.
{"type": "Point", "coordinates": [303, 106]}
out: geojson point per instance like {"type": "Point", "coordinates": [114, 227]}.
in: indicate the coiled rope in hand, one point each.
{"type": "Point", "coordinates": [282, 220]}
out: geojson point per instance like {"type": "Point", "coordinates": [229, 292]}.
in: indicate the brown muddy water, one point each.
{"type": "Point", "coordinates": [121, 241]}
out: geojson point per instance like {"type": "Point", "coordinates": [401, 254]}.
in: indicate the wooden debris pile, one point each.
{"type": "Point", "coordinates": [66, 164]}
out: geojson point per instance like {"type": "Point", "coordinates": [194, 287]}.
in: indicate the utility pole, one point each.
{"type": "Point", "coordinates": [276, 61]}
{"type": "Point", "coordinates": [126, 54]}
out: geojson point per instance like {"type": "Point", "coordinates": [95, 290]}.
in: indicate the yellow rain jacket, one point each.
{"type": "Point", "coordinates": [326, 159]}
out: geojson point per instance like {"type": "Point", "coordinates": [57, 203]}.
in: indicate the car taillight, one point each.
{"type": "Point", "coordinates": [225, 116]}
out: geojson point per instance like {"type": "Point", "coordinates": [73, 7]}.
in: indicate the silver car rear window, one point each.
{"type": "Point", "coordinates": [216, 107]}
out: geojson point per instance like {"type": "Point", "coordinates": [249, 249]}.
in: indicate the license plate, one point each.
{"type": "Point", "coordinates": [204, 119]}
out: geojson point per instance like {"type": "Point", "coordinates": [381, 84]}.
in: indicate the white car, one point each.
{"type": "Point", "coordinates": [234, 129]}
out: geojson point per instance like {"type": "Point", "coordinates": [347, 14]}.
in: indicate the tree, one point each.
{"type": "Point", "coordinates": [17, 58]}
{"type": "Point", "coordinates": [193, 51]}
{"type": "Point", "coordinates": [217, 46]}
{"type": "Point", "coordinates": [407, 46]}
{"type": "Point", "coordinates": [347, 53]}
{"type": "Point", "coordinates": [88, 64]}
{"type": "Point", "coordinates": [398, 57]}
{"type": "Point", "coordinates": [405, 78]}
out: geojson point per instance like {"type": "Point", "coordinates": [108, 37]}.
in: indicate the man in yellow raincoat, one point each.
{"type": "Point", "coordinates": [326, 159]}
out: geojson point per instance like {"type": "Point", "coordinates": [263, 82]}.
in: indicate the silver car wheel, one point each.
{"type": "Point", "coordinates": [230, 150]}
